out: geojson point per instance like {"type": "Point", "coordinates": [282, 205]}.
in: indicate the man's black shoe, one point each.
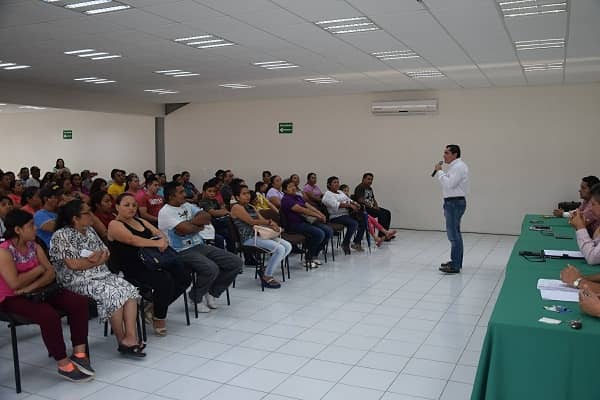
{"type": "Point", "coordinates": [446, 264]}
{"type": "Point", "coordinates": [450, 270]}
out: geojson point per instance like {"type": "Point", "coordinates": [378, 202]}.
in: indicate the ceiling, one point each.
{"type": "Point", "coordinates": [468, 41]}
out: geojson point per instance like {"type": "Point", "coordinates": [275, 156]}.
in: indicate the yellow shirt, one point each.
{"type": "Point", "coordinates": [114, 189]}
{"type": "Point", "coordinates": [261, 202]}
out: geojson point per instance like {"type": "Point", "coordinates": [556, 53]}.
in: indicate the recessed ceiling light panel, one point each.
{"type": "Point", "coordinates": [236, 86]}
{"type": "Point", "coordinates": [423, 74]}
{"type": "Point", "coordinates": [522, 45]}
{"type": "Point", "coordinates": [161, 91]}
{"type": "Point", "coordinates": [90, 7]}
{"type": "Point", "coordinates": [523, 8]}
{"type": "Point", "coordinates": [9, 65]}
{"type": "Point", "coordinates": [94, 80]}
{"type": "Point", "coordinates": [92, 54]}
{"type": "Point", "coordinates": [543, 67]}
{"type": "Point", "coordinates": [395, 55]}
{"type": "Point", "coordinates": [275, 64]}
{"type": "Point", "coordinates": [176, 73]}
{"type": "Point", "coordinates": [347, 25]}
{"type": "Point", "coordinates": [322, 80]}
{"type": "Point", "coordinates": [206, 41]}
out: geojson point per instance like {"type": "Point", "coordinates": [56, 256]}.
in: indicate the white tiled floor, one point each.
{"type": "Point", "coordinates": [385, 325]}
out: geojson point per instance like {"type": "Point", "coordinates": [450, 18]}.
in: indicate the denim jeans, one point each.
{"type": "Point", "coordinates": [453, 212]}
{"type": "Point", "coordinates": [318, 236]}
{"type": "Point", "coordinates": [352, 226]}
{"type": "Point", "coordinates": [279, 250]}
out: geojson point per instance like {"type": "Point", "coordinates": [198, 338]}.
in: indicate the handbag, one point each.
{"type": "Point", "coordinates": [154, 259]}
{"type": "Point", "coordinates": [265, 232]}
{"type": "Point", "coordinates": [42, 294]}
{"type": "Point", "coordinates": [309, 218]}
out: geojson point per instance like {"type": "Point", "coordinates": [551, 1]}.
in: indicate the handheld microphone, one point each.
{"type": "Point", "coordinates": [434, 171]}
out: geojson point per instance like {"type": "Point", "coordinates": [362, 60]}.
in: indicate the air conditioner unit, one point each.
{"type": "Point", "coordinates": [405, 107]}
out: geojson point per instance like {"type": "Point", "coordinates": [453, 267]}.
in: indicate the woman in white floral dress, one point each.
{"type": "Point", "coordinates": [80, 256]}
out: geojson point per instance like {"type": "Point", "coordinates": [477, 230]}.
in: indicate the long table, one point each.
{"type": "Point", "coordinates": [522, 358]}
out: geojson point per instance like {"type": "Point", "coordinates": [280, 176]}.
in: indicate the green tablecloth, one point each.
{"type": "Point", "coordinates": [522, 358]}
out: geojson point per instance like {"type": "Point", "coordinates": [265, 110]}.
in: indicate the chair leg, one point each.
{"type": "Point", "coordinates": [106, 328]}
{"type": "Point", "coordinates": [187, 310]}
{"type": "Point", "coordinates": [13, 339]}
{"type": "Point", "coordinates": [142, 320]}
{"type": "Point", "coordinates": [287, 265]}
{"type": "Point", "coordinates": [332, 252]}
{"type": "Point", "coordinates": [228, 299]}
{"type": "Point", "coordinates": [282, 271]}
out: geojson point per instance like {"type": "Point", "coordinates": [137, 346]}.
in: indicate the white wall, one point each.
{"type": "Point", "coordinates": [100, 141]}
{"type": "Point", "coordinates": [527, 147]}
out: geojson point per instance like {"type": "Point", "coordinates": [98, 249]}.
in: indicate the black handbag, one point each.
{"type": "Point", "coordinates": [156, 260]}
{"type": "Point", "coordinates": [42, 294]}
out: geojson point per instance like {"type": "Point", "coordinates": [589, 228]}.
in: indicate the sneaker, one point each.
{"type": "Point", "coordinates": [202, 308]}
{"type": "Point", "coordinates": [357, 247]}
{"type": "Point", "coordinates": [83, 364]}
{"type": "Point", "coordinates": [75, 375]}
{"type": "Point", "coordinates": [210, 301]}
{"type": "Point", "coordinates": [316, 261]}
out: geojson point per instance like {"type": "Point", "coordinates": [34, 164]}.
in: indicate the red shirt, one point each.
{"type": "Point", "coordinates": [152, 202]}
{"type": "Point", "coordinates": [28, 208]}
{"type": "Point", "coordinates": [104, 218]}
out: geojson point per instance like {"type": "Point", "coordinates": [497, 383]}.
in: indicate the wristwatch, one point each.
{"type": "Point", "coordinates": [576, 282]}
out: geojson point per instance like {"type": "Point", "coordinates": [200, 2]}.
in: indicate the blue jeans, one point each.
{"type": "Point", "coordinates": [318, 235]}
{"type": "Point", "coordinates": [279, 250]}
{"type": "Point", "coordinates": [352, 226]}
{"type": "Point", "coordinates": [453, 212]}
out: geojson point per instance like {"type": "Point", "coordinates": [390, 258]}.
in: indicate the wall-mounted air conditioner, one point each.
{"type": "Point", "coordinates": [405, 107]}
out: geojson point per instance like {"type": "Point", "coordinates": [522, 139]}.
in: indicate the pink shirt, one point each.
{"type": "Point", "coordinates": [23, 262]}
{"type": "Point", "coordinates": [586, 211]}
{"type": "Point", "coordinates": [313, 189]}
{"type": "Point", "coordinates": [590, 248]}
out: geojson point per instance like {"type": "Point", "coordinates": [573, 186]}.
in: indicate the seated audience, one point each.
{"type": "Point", "coordinates": [191, 193]}
{"type": "Point", "coordinates": [585, 193]}
{"type": "Point", "coordinates": [266, 177]}
{"type": "Point", "coordinates": [312, 192]}
{"type": "Point", "coordinates": [16, 191]}
{"type": "Point", "coordinates": [296, 179]}
{"type": "Point", "coordinates": [34, 179]}
{"type": "Point", "coordinates": [589, 245]}
{"type": "Point", "coordinates": [215, 268]}
{"type": "Point", "coordinates": [30, 200]}
{"type": "Point", "coordinates": [76, 183]}
{"type": "Point", "coordinates": [149, 202]}
{"type": "Point", "coordinates": [59, 168]}
{"type": "Point", "coordinates": [45, 217]}
{"type": "Point", "coordinates": [297, 213]}
{"type": "Point", "coordinates": [147, 173]}
{"type": "Point", "coordinates": [24, 270]}
{"type": "Point", "coordinates": [101, 204]}
{"type": "Point", "coordinates": [127, 234]}
{"type": "Point", "coordinates": [23, 174]}
{"type": "Point", "coordinates": [86, 181]}
{"type": "Point", "coordinates": [118, 182]}
{"type": "Point", "coordinates": [339, 206]}
{"type": "Point", "coordinates": [98, 185]}
{"type": "Point", "coordinates": [5, 207]}
{"type": "Point", "coordinates": [245, 216]}
{"type": "Point", "coordinates": [219, 214]}
{"type": "Point", "coordinates": [80, 257]}
{"type": "Point", "coordinates": [49, 177]}
{"type": "Point", "coordinates": [275, 194]}
{"type": "Point", "coordinates": [162, 181]}
{"type": "Point", "coordinates": [133, 186]}
{"type": "Point", "coordinates": [226, 191]}
{"type": "Point", "coordinates": [5, 183]}
{"type": "Point", "coordinates": [262, 203]}
{"type": "Point", "coordinates": [373, 226]}
{"type": "Point", "coordinates": [364, 194]}
{"type": "Point", "coordinates": [70, 194]}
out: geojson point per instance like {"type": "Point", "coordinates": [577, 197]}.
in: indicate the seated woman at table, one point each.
{"type": "Point", "coordinates": [589, 246]}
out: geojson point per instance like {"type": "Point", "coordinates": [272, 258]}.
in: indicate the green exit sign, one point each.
{"type": "Point", "coordinates": [286, 128]}
{"type": "Point", "coordinates": [67, 134]}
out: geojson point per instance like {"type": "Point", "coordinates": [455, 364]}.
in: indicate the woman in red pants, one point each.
{"type": "Point", "coordinates": [24, 271]}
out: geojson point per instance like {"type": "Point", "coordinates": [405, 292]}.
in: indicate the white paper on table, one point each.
{"type": "Point", "coordinates": [560, 295]}
{"type": "Point", "coordinates": [553, 284]}
{"type": "Point", "coordinates": [563, 253]}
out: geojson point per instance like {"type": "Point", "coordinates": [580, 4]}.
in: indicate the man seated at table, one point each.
{"type": "Point", "coordinates": [585, 193]}
{"type": "Point", "coordinates": [589, 245]}
{"type": "Point", "coordinates": [589, 288]}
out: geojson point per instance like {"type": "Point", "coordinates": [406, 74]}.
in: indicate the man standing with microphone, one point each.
{"type": "Point", "coordinates": [455, 186]}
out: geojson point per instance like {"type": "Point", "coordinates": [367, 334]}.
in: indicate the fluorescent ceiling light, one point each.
{"type": "Point", "coordinates": [94, 79]}
{"type": "Point", "coordinates": [176, 73]}
{"type": "Point", "coordinates": [236, 86]}
{"type": "Point", "coordinates": [106, 57]}
{"type": "Point", "coordinates": [161, 91]}
{"type": "Point", "coordinates": [87, 3]}
{"type": "Point", "coordinates": [283, 67]}
{"type": "Point", "coordinates": [108, 9]}
{"type": "Point", "coordinates": [269, 62]}
{"type": "Point", "coordinates": [210, 42]}
{"type": "Point", "coordinates": [322, 80]}
{"type": "Point", "coordinates": [32, 108]}
{"type": "Point", "coordinates": [540, 44]}
{"type": "Point", "coordinates": [92, 54]}
{"type": "Point", "coordinates": [7, 64]}
{"type": "Point", "coordinates": [79, 51]}
{"type": "Point", "coordinates": [17, 67]}
{"type": "Point", "coordinates": [543, 67]}
{"type": "Point", "coordinates": [333, 21]}
{"type": "Point", "coordinates": [216, 45]}
{"type": "Point", "coordinates": [3, 104]}
{"type": "Point", "coordinates": [425, 74]}
{"type": "Point", "coordinates": [281, 64]}
{"type": "Point", "coordinates": [535, 7]}
{"type": "Point", "coordinates": [395, 55]}
{"type": "Point", "coordinates": [340, 26]}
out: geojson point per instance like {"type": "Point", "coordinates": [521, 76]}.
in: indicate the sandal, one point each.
{"type": "Point", "coordinates": [159, 330]}
{"type": "Point", "coordinates": [135, 351]}
{"type": "Point", "coordinates": [271, 283]}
